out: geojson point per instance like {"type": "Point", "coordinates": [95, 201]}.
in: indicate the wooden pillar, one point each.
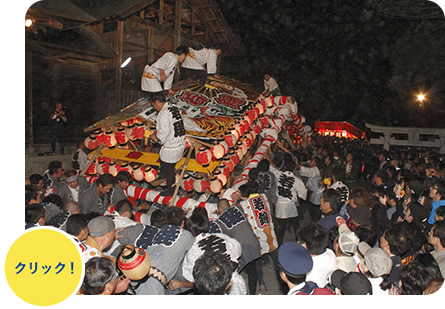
{"type": "Point", "coordinates": [118, 62]}
{"type": "Point", "coordinates": [178, 18]}
{"type": "Point", "coordinates": [192, 20]}
{"type": "Point", "coordinates": [150, 44]}
{"type": "Point", "coordinates": [161, 12]}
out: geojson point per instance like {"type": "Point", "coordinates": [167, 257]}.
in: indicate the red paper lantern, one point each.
{"type": "Point", "coordinates": [230, 139]}
{"type": "Point", "coordinates": [98, 133]}
{"type": "Point", "coordinates": [109, 139]}
{"type": "Point", "coordinates": [204, 156]}
{"type": "Point", "coordinates": [229, 164]}
{"type": "Point", "coordinates": [256, 128]}
{"type": "Point", "coordinates": [251, 114]}
{"type": "Point", "coordinates": [102, 167]}
{"type": "Point", "coordinates": [138, 131]}
{"type": "Point", "coordinates": [92, 169]}
{"type": "Point", "coordinates": [121, 137]}
{"type": "Point", "coordinates": [264, 122]}
{"type": "Point", "coordinates": [233, 155]}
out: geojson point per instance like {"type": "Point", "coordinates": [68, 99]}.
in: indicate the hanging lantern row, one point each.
{"type": "Point", "coordinates": [130, 130]}
{"type": "Point", "coordinates": [276, 121]}
{"type": "Point", "coordinates": [138, 171]}
{"type": "Point", "coordinates": [241, 126]}
{"type": "Point", "coordinates": [234, 146]}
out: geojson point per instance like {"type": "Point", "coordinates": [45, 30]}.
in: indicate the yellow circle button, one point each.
{"type": "Point", "coordinates": [44, 266]}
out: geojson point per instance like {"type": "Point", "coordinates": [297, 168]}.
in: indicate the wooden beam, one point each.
{"type": "Point", "coordinates": [192, 20]}
{"type": "Point", "coordinates": [151, 48]}
{"type": "Point", "coordinates": [161, 12]}
{"type": "Point", "coordinates": [178, 18]}
{"type": "Point", "coordinates": [118, 76]}
{"type": "Point", "coordinates": [167, 30]}
{"type": "Point", "coordinates": [141, 5]}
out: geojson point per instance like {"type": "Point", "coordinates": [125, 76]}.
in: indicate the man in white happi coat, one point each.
{"type": "Point", "coordinates": [170, 133]}
{"type": "Point", "coordinates": [289, 189]}
{"type": "Point", "coordinates": [163, 70]}
{"type": "Point", "coordinates": [200, 62]}
{"type": "Point", "coordinates": [271, 87]}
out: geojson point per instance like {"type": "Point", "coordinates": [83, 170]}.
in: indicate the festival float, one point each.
{"type": "Point", "coordinates": [224, 119]}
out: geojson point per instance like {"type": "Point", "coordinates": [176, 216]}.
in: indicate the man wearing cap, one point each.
{"type": "Point", "coordinates": [351, 283]}
{"type": "Point", "coordinates": [376, 264]}
{"type": "Point", "coordinates": [294, 263]}
{"type": "Point", "coordinates": [102, 233]}
{"type": "Point", "coordinates": [345, 247]}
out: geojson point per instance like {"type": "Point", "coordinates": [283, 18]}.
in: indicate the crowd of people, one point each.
{"type": "Point", "coordinates": [346, 218]}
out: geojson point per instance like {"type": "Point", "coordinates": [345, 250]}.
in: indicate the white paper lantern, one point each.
{"type": "Point", "coordinates": [215, 185]}
{"type": "Point", "coordinates": [126, 167]}
{"type": "Point", "coordinates": [221, 176]}
{"type": "Point", "coordinates": [240, 151]}
{"type": "Point", "coordinates": [219, 150]}
{"type": "Point", "coordinates": [113, 168]}
{"type": "Point", "coordinates": [138, 173]}
{"type": "Point", "coordinates": [150, 174]}
{"type": "Point", "coordinates": [129, 132]}
{"type": "Point", "coordinates": [200, 184]}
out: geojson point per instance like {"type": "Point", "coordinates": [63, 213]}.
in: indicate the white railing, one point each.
{"type": "Point", "coordinates": [417, 137]}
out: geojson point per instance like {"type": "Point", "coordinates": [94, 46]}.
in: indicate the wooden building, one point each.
{"type": "Point", "coordinates": [75, 48]}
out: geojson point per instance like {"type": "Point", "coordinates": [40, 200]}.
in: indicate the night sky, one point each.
{"type": "Point", "coordinates": [341, 60]}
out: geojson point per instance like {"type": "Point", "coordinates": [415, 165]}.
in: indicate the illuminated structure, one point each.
{"type": "Point", "coordinates": [338, 129]}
